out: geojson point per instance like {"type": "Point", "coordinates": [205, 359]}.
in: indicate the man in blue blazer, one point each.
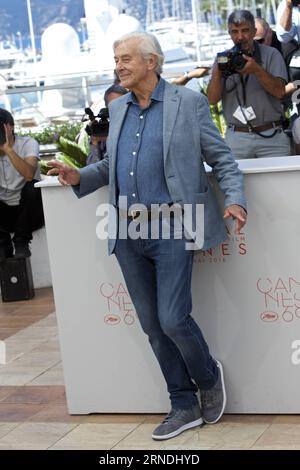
{"type": "Point", "coordinates": [159, 136]}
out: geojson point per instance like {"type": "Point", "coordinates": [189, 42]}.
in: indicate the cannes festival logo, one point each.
{"type": "Point", "coordinates": [119, 307]}
{"type": "Point", "coordinates": [281, 299]}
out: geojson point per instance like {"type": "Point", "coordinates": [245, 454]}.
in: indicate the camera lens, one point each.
{"type": "Point", "coordinates": [238, 61]}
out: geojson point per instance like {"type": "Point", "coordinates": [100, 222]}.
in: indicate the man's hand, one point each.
{"type": "Point", "coordinates": [237, 213]}
{"type": "Point", "coordinates": [275, 86]}
{"type": "Point", "coordinates": [251, 66]}
{"type": "Point", "coordinates": [66, 174]}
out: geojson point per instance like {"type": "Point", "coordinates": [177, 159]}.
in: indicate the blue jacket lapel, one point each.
{"type": "Point", "coordinates": [170, 110]}
{"type": "Point", "coordinates": [115, 134]}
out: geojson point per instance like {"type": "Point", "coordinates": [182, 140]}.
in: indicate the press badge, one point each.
{"type": "Point", "coordinates": [244, 114]}
{"type": "Point", "coordinates": [295, 60]}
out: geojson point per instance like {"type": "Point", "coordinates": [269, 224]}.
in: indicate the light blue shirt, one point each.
{"type": "Point", "coordinates": [140, 163]}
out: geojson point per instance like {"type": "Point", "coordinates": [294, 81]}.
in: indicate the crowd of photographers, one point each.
{"type": "Point", "coordinates": [254, 83]}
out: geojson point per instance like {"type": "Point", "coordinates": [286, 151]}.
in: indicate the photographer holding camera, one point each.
{"type": "Point", "coordinates": [98, 126]}
{"type": "Point", "coordinates": [250, 80]}
{"type": "Point", "coordinates": [21, 209]}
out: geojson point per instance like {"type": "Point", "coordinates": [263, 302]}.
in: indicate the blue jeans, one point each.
{"type": "Point", "coordinates": [158, 277]}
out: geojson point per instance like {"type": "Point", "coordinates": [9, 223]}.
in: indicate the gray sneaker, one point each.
{"type": "Point", "coordinates": [178, 421]}
{"type": "Point", "coordinates": [213, 400]}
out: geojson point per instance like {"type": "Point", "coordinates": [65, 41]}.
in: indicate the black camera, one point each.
{"type": "Point", "coordinates": [232, 60]}
{"type": "Point", "coordinates": [2, 133]}
{"type": "Point", "coordinates": [296, 3]}
{"type": "Point", "coordinates": [99, 124]}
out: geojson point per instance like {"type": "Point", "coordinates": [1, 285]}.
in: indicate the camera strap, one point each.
{"type": "Point", "coordinates": [244, 82]}
{"type": "Point", "coordinates": [250, 125]}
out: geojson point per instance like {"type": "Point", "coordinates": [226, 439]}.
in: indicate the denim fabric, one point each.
{"type": "Point", "coordinates": [140, 164]}
{"type": "Point", "coordinates": [158, 277]}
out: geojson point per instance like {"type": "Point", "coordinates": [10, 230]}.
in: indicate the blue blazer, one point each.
{"type": "Point", "coordinates": [189, 139]}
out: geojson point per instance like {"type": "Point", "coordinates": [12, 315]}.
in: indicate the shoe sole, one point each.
{"type": "Point", "coordinates": [224, 393]}
{"type": "Point", "coordinates": [190, 425]}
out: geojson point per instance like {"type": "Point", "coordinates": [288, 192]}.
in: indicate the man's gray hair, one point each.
{"type": "Point", "coordinates": [238, 17]}
{"type": "Point", "coordinates": [147, 44]}
{"type": "Point", "coordinates": [263, 23]}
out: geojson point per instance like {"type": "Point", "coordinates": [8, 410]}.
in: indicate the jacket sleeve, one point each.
{"type": "Point", "coordinates": [218, 155]}
{"type": "Point", "coordinates": [92, 177]}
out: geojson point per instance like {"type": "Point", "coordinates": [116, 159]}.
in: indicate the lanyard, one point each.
{"type": "Point", "coordinates": [244, 82]}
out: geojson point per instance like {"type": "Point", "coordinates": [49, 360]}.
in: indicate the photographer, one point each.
{"type": "Point", "coordinates": [265, 35]}
{"type": "Point", "coordinates": [250, 80]}
{"type": "Point", "coordinates": [97, 129]}
{"type": "Point", "coordinates": [21, 209]}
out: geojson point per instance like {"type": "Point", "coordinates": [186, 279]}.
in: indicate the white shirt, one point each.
{"type": "Point", "coordinates": [294, 32]}
{"type": "Point", "coordinates": [11, 182]}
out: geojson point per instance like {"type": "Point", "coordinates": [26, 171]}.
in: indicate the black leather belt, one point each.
{"type": "Point", "coordinates": [265, 127]}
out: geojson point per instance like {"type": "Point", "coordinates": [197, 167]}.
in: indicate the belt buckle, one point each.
{"type": "Point", "coordinates": [134, 213]}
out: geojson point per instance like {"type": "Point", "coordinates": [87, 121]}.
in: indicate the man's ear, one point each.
{"type": "Point", "coordinates": [152, 62]}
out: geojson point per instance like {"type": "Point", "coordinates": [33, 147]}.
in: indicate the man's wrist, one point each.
{"type": "Point", "coordinates": [257, 68]}
{"type": "Point", "coordinates": [9, 151]}
{"type": "Point", "coordinates": [237, 205]}
{"type": "Point", "coordinates": [242, 207]}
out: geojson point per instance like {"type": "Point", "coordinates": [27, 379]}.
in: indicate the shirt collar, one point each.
{"type": "Point", "coordinates": [157, 94]}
